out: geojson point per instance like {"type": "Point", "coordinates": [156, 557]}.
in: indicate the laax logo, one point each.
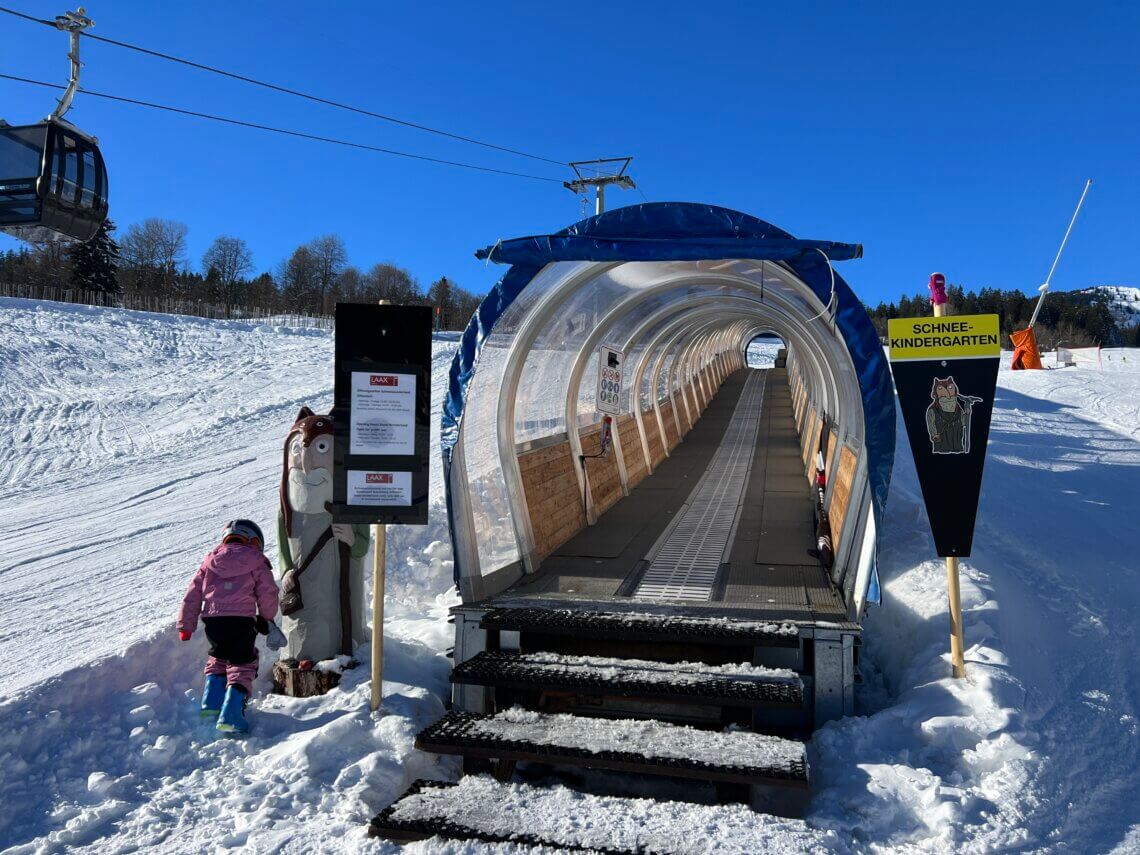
{"type": "Point", "coordinates": [384, 380]}
{"type": "Point", "coordinates": [948, 418]}
{"type": "Point", "coordinates": [378, 478]}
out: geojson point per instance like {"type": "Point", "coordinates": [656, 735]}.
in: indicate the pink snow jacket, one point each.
{"type": "Point", "coordinates": [235, 580]}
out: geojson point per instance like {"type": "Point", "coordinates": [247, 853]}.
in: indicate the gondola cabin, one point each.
{"type": "Point", "coordinates": [53, 182]}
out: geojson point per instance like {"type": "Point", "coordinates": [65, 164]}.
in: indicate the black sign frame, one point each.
{"type": "Point", "coordinates": [949, 468]}
{"type": "Point", "coordinates": [381, 339]}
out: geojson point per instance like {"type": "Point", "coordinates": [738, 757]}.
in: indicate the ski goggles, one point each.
{"type": "Point", "coordinates": [234, 537]}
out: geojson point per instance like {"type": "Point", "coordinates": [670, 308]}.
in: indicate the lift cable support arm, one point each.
{"type": "Point", "coordinates": [73, 23]}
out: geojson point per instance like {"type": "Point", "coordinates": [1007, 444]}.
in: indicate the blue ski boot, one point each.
{"type": "Point", "coordinates": [232, 718]}
{"type": "Point", "coordinates": [213, 695]}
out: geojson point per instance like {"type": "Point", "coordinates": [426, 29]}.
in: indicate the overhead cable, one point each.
{"type": "Point", "coordinates": [287, 91]}
{"type": "Point", "coordinates": [287, 132]}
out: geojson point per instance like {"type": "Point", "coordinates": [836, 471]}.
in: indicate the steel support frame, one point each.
{"type": "Point", "coordinates": [833, 674]}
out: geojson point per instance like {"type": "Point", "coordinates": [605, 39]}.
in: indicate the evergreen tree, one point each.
{"type": "Point", "coordinates": [94, 265]}
{"type": "Point", "coordinates": [442, 299]}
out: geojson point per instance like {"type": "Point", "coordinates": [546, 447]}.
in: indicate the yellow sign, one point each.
{"type": "Point", "coordinates": [952, 337]}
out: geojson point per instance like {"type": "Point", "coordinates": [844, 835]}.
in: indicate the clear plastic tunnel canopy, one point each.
{"type": "Point", "coordinates": [675, 287]}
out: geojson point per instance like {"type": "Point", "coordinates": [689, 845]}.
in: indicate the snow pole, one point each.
{"type": "Point", "coordinates": [1044, 289]}
{"type": "Point", "coordinates": [1064, 240]}
{"type": "Point", "coordinates": [379, 550]}
{"type": "Point", "coordinates": [953, 582]}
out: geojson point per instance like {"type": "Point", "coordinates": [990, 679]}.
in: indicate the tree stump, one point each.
{"type": "Point", "coordinates": [289, 679]}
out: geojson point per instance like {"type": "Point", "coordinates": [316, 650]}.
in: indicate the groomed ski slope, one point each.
{"type": "Point", "coordinates": [131, 437]}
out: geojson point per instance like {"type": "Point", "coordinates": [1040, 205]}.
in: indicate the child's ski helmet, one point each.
{"type": "Point", "coordinates": [243, 531]}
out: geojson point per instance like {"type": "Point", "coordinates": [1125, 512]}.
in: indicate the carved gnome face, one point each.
{"type": "Point", "coordinates": [946, 394]}
{"type": "Point", "coordinates": [308, 481]}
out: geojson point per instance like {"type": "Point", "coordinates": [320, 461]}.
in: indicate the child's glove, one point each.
{"type": "Point", "coordinates": [183, 635]}
{"type": "Point", "coordinates": [276, 639]}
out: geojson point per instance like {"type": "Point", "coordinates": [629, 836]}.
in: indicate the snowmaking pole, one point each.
{"type": "Point", "coordinates": [1061, 249]}
{"type": "Point", "coordinates": [1026, 353]}
{"type": "Point", "coordinates": [939, 300]}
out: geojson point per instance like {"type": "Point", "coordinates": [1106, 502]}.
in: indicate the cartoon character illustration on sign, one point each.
{"type": "Point", "coordinates": [322, 581]}
{"type": "Point", "coordinates": [948, 418]}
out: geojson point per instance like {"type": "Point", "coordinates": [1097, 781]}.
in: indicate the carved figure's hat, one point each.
{"type": "Point", "coordinates": [310, 426]}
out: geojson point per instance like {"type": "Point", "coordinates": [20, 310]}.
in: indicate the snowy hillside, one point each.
{"type": "Point", "coordinates": [132, 437]}
{"type": "Point", "coordinates": [761, 352]}
{"type": "Point", "coordinates": [1123, 302]}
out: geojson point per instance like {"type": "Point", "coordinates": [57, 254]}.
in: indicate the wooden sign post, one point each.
{"type": "Point", "coordinates": [945, 372]}
{"type": "Point", "coordinates": [938, 302]}
{"type": "Point", "coordinates": [379, 554]}
{"type": "Point", "coordinates": [381, 415]}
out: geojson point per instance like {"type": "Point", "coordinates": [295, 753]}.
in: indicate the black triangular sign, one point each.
{"type": "Point", "coordinates": [947, 403]}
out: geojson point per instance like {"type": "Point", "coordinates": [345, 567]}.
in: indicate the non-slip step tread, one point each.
{"type": "Point", "coordinates": [396, 822]}
{"type": "Point", "coordinates": [741, 685]}
{"type": "Point", "coordinates": [642, 626]}
{"type": "Point", "coordinates": [567, 820]}
{"type": "Point", "coordinates": [630, 745]}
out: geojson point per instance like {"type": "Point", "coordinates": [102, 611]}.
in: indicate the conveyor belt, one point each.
{"type": "Point", "coordinates": [684, 563]}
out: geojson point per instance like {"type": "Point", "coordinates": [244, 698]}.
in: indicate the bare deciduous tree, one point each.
{"type": "Point", "coordinates": [391, 283]}
{"type": "Point", "coordinates": [298, 280]}
{"type": "Point", "coordinates": [349, 286]}
{"type": "Point", "coordinates": [229, 260]}
{"type": "Point", "coordinates": [151, 253]}
{"type": "Point", "coordinates": [329, 257]}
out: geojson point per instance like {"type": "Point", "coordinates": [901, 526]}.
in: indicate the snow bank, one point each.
{"type": "Point", "coordinates": [1038, 747]}
{"type": "Point", "coordinates": [136, 436]}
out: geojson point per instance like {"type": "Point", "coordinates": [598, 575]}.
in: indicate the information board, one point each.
{"type": "Point", "coordinates": [610, 363]}
{"type": "Point", "coordinates": [945, 372]}
{"type": "Point", "coordinates": [381, 413]}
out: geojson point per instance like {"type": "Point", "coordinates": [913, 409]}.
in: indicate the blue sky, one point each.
{"type": "Point", "coordinates": [953, 138]}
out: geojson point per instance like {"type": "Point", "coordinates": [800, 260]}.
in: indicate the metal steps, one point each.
{"type": "Point", "coordinates": [426, 810]}
{"type": "Point", "coordinates": [563, 820]}
{"type": "Point", "coordinates": [625, 745]}
{"type": "Point", "coordinates": [678, 682]}
{"type": "Point", "coordinates": [642, 626]}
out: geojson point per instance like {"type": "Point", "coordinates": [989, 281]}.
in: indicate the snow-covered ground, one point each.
{"type": "Point", "coordinates": [133, 437]}
{"type": "Point", "coordinates": [761, 351]}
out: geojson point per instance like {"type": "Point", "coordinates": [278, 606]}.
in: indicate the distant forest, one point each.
{"type": "Point", "coordinates": [150, 260]}
{"type": "Point", "coordinates": [1077, 319]}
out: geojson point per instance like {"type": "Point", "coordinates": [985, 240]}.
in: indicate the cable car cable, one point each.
{"type": "Point", "coordinates": [283, 89]}
{"type": "Point", "coordinates": [285, 131]}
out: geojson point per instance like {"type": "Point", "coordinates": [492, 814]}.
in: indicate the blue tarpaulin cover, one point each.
{"type": "Point", "coordinates": [685, 231]}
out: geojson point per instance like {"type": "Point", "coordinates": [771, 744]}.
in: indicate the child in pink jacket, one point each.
{"type": "Point", "coordinates": [234, 591]}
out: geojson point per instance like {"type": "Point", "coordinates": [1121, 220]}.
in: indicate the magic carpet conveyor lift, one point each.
{"type": "Point", "coordinates": [698, 557]}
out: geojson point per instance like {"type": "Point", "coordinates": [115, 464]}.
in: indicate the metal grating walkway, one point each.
{"type": "Point", "coordinates": [684, 563]}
